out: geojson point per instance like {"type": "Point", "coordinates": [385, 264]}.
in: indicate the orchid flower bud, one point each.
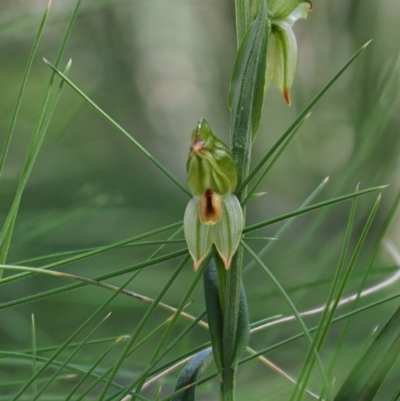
{"type": "Point", "coordinates": [214, 215]}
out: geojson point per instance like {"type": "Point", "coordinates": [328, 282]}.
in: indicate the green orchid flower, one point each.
{"type": "Point", "coordinates": [282, 48]}
{"type": "Point", "coordinates": [214, 215]}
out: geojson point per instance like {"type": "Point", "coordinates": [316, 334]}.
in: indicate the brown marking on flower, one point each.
{"type": "Point", "coordinates": [286, 95]}
{"type": "Point", "coordinates": [210, 210]}
{"type": "Point", "coordinates": [197, 145]}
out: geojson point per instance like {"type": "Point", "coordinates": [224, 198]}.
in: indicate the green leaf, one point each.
{"type": "Point", "coordinates": [311, 208]}
{"type": "Point", "coordinates": [243, 326]}
{"type": "Point", "coordinates": [190, 374]}
{"type": "Point", "coordinates": [7, 143]}
{"type": "Point", "coordinates": [119, 128]}
{"type": "Point", "coordinates": [246, 92]}
{"type": "Point", "coordinates": [214, 312]}
{"type": "Point", "coordinates": [368, 375]}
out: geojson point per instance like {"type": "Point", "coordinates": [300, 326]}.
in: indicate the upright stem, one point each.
{"type": "Point", "coordinates": [233, 276]}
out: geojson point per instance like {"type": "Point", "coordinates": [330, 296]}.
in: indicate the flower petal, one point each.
{"type": "Point", "coordinates": [284, 58]}
{"type": "Point", "coordinates": [210, 163]}
{"type": "Point", "coordinates": [300, 12]}
{"type": "Point", "coordinates": [228, 231]}
{"type": "Point", "coordinates": [198, 235]}
{"type": "Point", "coordinates": [281, 9]}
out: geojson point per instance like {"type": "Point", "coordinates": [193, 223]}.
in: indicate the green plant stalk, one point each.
{"type": "Point", "coordinates": [233, 277]}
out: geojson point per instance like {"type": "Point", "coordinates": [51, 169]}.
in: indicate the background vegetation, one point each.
{"type": "Point", "coordinates": [156, 67]}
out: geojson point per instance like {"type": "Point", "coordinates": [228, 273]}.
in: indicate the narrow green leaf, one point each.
{"type": "Point", "coordinates": [88, 253]}
{"type": "Point", "coordinates": [310, 208]}
{"type": "Point", "coordinates": [275, 159]}
{"type": "Point", "coordinates": [190, 375]}
{"type": "Point", "coordinates": [243, 326]}
{"type": "Point", "coordinates": [329, 310]}
{"type": "Point", "coordinates": [396, 395]}
{"type": "Point", "coordinates": [77, 349]}
{"type": "Point", "coordinates": [120, 272]}
{"type": "Point", "coordinates": [33, 151]}
{"type": "Point", "coordinates": [369, 373]}
{"type": "Point", "coordinates": [292, 307]}
{"type": "Point", "coordinates": [119, 128]}
{"type": "Point", "coordinates": [22, 89]}
{"type": "Point", "coordinates": [286, 226]}
{"type": "Point", "coordinates": [34, 387]}
{"type": "Point", "coordinates": [92, 368]}
{"type": "Point", "coordinates": [214, 312]}
{"type": "Point", "coordinates": [306, 110]}
{"type": "Point", "coordinates": [246, 92]}
{"type": "Point", "coordinates": [36, 140]}
{"type": "Point", "coordinates": [141, 325]}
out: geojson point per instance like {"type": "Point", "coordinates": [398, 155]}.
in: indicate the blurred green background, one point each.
{"type": "Point", "coordinates": [156, 66]}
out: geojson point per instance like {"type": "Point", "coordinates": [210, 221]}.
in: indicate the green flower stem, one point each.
{"type": "Point", "coordinates": [234, 274]}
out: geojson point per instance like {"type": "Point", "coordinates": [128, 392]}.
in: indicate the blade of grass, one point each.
{"type": "Point", "coordinates": [181, 335]}
{"type": "Point", "coordinates": [6, 232]}
{"type": "Point", "coordinates": [80, 329]}
{"type": "Point", "coordinates": [129, 349]}
{"type": "Point", "coordinates": [76, 333]}
{"type": "Point", "coordinates": [70, 357]}
{"type": "Point", "coordinates": [310, 208]}
{"type": "Point", "coordinates": [274, 160]}
{"type": "Point", "coordinates": [141, 325]}
{"type": "Point", "coordinates": [34, 147]}
{"type": "Point", "coordinates": [378, 245]}
{"type": "Point", "coordinates": [307, 362]}
{"type": "Point", "coordinates": [56, 363]}
{"type": "Point", "coordinates": [308, 365]}
{"type": "Point", "coordinates": [172, 324]}
{"type": "Point", "coordinates": [28, 67]}
{"type": "Point", "coordinates": [145, 373]}
{"type": "Point", "coordinates": [80, 251]}
{"type": "Point", "coordinates": [96, 251]}
{"type": "Point", "coordinates": [371, 290]}
{"type": "Point", "coordinates": [396, 395]}
{"type": "Point", "coordinates": [294, 311]}
{"type": "Point", "coordinates": [103, 376]}
{"type": "Point", "coordinates": [298, 119]}
{"type": "Point", "coordinates": [367, 376]}
{"type": "Point", "coordinates": [286, 226]}
{"type": "Point", "coordinates": [92, 368]}
{"type": "Point", "coordinates": [301, 335]}
{"type": "Point", "coordinates": [120, 272]}
{"type": "Point", "coordinates": [120, 129]}
{"type": "Point", "coordinates": [34, 387]}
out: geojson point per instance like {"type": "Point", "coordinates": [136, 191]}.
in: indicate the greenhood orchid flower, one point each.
{"type": "Point", "coordinates": [214, 215]}
{"type": "Point", "coordinates": [282, 48]}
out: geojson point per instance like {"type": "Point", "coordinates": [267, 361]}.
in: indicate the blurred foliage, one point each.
{"type": "Point", "coordinates": [156, 67]}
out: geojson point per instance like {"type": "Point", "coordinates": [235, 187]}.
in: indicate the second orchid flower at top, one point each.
{"type": "Point", "coordinates": [282, 48]}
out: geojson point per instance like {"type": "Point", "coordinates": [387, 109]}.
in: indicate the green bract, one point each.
{"type": "Point", "coordinates": [282, 49]}
{"type": "Point", "coordinates": [210, 163]}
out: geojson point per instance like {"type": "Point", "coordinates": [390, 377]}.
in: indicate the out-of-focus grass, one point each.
{"type": "Point", "coordinates": [156, 67]}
